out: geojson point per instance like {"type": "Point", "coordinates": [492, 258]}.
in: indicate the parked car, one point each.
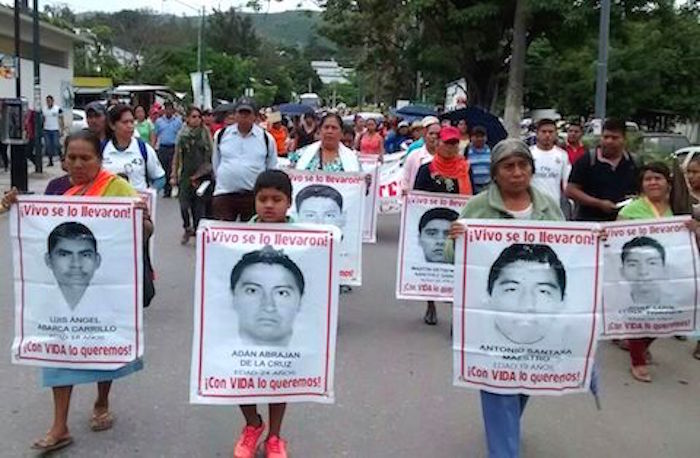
{"type": "Point", "coordinates": [658, 146]}
{"type": "Point", "coordinates": [79, 121]}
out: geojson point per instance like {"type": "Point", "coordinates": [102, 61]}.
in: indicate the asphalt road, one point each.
{"type": "Point", "coordinates": [394, 395]}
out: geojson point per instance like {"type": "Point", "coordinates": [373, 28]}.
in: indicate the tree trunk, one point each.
{"type": "Point", "coordinates": [516, 73]}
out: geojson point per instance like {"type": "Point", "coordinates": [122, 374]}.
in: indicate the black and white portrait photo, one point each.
{"type": "Point", "coordinates": [73, 259]}
{"type": "Point", "coordinates": [267, 288]}
{"type": "Point", "coordinates": [320, 204]}
{"type": "Point", "coordinates": [423, 271]}
{"type": "Point", "coordinates": [337, 199]}
{"type": "Point", "coordinates": [433, 229]}
{"type": "Point", "coordinates": [529, 282]}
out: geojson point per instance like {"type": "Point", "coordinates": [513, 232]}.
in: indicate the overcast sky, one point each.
{"type": "Point", "coordinates": [176, 6]}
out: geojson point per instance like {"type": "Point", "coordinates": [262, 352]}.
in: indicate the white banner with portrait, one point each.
{"type": "Point", "coordinates": [337, 199]}
{"type": "Point", "coordinates": [422, 272]}
{"type": "Point", "coordinates": [370, 166]}
{"type": "Point", "coordinates": [150, 196]}
{"type": "Point", "coordinates": [650, 280]}
{"type": "Point", "coordinates": [265, 313]}
{"type": "Point", "coordinates": [526, 306]}
{"type": "Point", "coordinates": [78, 275]}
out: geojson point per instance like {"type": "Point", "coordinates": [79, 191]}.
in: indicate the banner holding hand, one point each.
{"type": "Point", "coordinates": [650, 279]}
{"type": "Point", "coordinates": [526, 306]}
{"type": "Point", "coordinates": [265, 313]}
{"type": "Point", "coordinates": [78, 282]}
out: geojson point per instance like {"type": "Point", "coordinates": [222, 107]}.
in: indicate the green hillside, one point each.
{"type": "Point", "coordinates": [291, 28]}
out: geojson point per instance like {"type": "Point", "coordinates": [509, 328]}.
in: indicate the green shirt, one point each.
{"type": "Point", "coordinates": [256, 219]}
{"type": "Point", "coordinates": [641, 208]}
{"type": "Point", "coordinates": [145, 128]}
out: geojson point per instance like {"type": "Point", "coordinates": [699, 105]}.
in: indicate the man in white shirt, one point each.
{"type": "Point", "coordinates": [552, 166]}
{"type": "Point", "coordinates": [53, 126]}
{"type": "Point", "coordinates": [241, 152]}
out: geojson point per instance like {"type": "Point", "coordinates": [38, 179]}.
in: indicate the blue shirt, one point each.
{"type": "Point", "coordinates": [167, 130]}
{"type": "Point", "coordinates": [480, 167]}
{"type": "Point", "coordinates": [415, 145]}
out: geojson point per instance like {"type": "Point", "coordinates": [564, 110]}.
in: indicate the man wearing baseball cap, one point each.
{"type": "Point", "coordinates": [241, 152]}
{"type": "Point", "coordinates": [422, 154]}
{"type": "Point", "coordinates": [396, 137]}
{"type": "Point", "coordinates": [97, 119]}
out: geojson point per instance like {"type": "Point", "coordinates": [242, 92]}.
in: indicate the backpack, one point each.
{"type": "Point", "coordinates": [149, 289]}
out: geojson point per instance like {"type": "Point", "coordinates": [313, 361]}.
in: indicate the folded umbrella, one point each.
{"type": "Point", "coordinates": [295, 109]}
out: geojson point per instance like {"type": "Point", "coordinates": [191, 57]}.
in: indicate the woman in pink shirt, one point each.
{"type": "Point", "coordinates": [371, 141]}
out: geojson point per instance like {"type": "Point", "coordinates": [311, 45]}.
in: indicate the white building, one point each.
{"type": "Point", "coordinates": [330, 72]}
{"type": "Point", "coordinates": [56, 68]}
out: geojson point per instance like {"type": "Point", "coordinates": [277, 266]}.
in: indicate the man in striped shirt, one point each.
{"type": "Point", "coordinates": [479, 157]}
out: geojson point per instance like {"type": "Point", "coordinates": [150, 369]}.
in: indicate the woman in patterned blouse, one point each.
{"type": "Point", "coordinates": [328, 154]}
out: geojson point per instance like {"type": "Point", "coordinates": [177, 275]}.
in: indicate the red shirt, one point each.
{"type": "Point", "coordinates": [575, 152]}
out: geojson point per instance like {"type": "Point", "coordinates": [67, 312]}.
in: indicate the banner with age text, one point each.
{"type": "Point", "coordinates": [650, 279]}
{"type": "Point", "coordinates": [337, 199]}
{"type": "Point", "coordinates": [423, 272]}
{"type": "Point", "coordinates": [526, 306]}
{"type": "Point", "coordinates": [78, 282]}
{"type": "Point", "coordinates": [265, 313]}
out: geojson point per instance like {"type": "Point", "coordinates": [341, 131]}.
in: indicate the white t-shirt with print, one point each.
{"type": "Point", "coordinates": [552, 170]}
{"type": "Point", "coordinates": [130, 162]}
{"type": "Point", "coordinates": [51, 116]}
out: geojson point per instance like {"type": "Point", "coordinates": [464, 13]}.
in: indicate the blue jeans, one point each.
{"type": "Point", "coordinates": [502, 414]}
{"type": "Point", "coordinates": [51, 144]}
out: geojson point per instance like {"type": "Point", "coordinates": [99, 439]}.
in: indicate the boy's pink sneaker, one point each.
{"type": "Point", "coordinates": [275, 447]}
{"type": "Point", "coordinates": [247, 444]}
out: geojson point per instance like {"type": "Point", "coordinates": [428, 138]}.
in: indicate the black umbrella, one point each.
{"type": "Point", "coordinates": [476, 116]}
{"type": "Point", "coordinates": [295, 109]}
{"type": "Point", "coordinates": [412, 112]}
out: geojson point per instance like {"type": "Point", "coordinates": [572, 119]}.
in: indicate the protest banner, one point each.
{"type": "Point", "coordinates": [527, 299]}
{"type": "Point", "coordinates": [650, 279]}
{"type": "Point", "coordinates": [337, 199]}
{"type": "Point", "coordinates": [78, 282]}
{"type": "Point", "coordinates": [150, 196]}
{"type": "Point", "coordinates": [265, 313]}
{"type": "Point", "coordinates": [423, 273]}
{"type": "Point", "coordinates": [370, 165]}
{"type": "Point", "coordinates": [389, 192]}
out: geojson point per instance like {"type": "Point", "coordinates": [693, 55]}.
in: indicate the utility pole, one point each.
{"type": "Point", "coordinates": [200, 69]}
{"type": "Point", "coordinates": [38, 119]}
{"type": "Point", "coordinates": [602, 64]}
{"type": "Point", "coordinates": [18, 60]}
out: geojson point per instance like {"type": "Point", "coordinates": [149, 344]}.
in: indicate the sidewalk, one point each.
{"type": "Point", "coordinates": [37, 181]}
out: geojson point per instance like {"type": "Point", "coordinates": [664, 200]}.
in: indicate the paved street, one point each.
{"type": "Point", "coordinates": [393, 384]}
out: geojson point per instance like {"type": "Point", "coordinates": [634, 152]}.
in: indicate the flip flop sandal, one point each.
{"type": "Point", "coordinates": [639, 375]}
{"type": "Point", "coordinates": [101, 422]}
{"type": "Point", "coordinates": [50, 443]}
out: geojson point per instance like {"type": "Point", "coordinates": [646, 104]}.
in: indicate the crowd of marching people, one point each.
{"type": "Point", "coordinates": [227, 165]}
